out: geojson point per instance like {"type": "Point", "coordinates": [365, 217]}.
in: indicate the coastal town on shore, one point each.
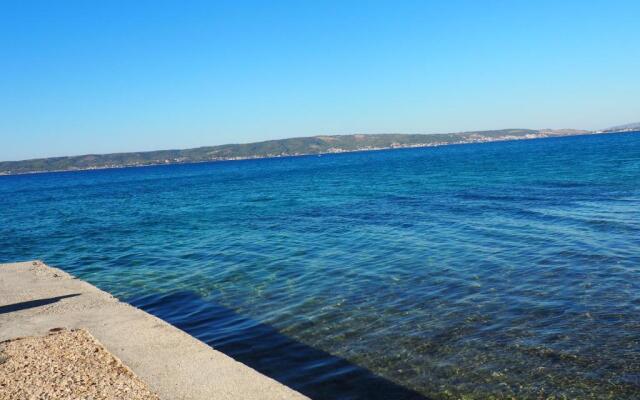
{"type": "Point", "coordinates": [348, 143]}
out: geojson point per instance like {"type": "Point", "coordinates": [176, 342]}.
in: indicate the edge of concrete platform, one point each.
{"type": "Point", "coordinates": [36, 298]}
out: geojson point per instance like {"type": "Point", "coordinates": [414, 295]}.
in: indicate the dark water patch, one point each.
{"type": "Point", "coordinates": [501, 198]}
{"type": "Point", "coordinates": [310, 371]}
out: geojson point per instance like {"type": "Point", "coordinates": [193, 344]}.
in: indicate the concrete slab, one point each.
{"type": "Point", "coordinates": [35, 298]}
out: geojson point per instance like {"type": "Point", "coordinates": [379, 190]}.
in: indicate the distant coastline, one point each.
{"type": "Point", "coordinates": [315, 145]}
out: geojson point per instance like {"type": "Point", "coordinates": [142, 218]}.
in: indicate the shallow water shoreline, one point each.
{"type": "Point", "coordinates": [35, 299]}
{"type": "Point", "coordinates": [499, 269]}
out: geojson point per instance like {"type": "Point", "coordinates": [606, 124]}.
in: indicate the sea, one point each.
{"type": "Point", "coordinates": [479, 271]}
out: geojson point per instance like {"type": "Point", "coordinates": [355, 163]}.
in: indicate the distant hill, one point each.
{"type": "Point", "coordinates": [272, 148]}
{"type": "Point", "coordinates": [624, 128]}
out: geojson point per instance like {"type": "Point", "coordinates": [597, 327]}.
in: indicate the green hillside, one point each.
{"type": "Point", "coordinates": [271, 148]}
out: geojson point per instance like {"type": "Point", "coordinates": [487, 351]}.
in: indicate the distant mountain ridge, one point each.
{"type": "Point", "coordinates": [273, 148]}
{"type": "Point", "coordinates": [624, 128]}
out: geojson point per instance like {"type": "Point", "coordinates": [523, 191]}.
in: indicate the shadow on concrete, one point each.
{"type": "Point", "coordinates": [310, 371]}
{"type": "Point", "coordinates": [33, 303]}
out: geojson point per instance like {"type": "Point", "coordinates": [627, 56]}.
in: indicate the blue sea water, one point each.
{"type": "Point", "coordinates": [496, 270]}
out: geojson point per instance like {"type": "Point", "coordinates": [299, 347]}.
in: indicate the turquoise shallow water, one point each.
{"type": "Point", "coordinates": [499, 269]}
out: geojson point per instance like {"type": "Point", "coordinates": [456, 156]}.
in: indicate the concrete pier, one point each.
{"type": "Point", "coordinates": [35, 298]}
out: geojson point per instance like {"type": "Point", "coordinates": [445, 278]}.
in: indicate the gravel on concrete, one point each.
{"type": "Point", "coordinates": [65, 365]}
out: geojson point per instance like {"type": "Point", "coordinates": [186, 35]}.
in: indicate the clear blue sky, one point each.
{"type": "Point", "coordinates": [109, 76]}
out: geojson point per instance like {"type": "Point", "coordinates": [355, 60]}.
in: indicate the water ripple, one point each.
{"type": "Point", "coordinates": [495, 270]}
